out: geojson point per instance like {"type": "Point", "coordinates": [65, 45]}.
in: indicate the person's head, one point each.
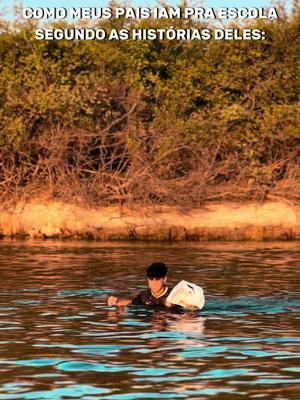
{"type": "Point", "coordinates": [157, 276]}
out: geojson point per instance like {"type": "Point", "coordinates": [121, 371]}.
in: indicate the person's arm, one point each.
{"type": "Point", "coordinates": [115, 301]}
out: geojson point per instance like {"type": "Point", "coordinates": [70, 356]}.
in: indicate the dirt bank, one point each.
{"type": "Point", "coordinates": [268, 221]}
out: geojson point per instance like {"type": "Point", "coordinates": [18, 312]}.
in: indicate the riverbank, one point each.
{"type": "Point", "coordinates": [226, 221]}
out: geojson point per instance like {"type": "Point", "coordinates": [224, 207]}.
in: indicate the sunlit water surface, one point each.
{"type": "Point", "coordinates": [58, 338]}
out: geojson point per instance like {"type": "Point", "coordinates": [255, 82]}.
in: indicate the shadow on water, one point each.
{"type": "Point", "coordinates": [59, 339]}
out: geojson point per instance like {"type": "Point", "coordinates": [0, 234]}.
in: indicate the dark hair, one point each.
{"type": "Point", "coordinates": [157, 270]}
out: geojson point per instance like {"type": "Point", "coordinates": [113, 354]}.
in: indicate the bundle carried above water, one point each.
{"type": "Point", "coordinates": [187, 295]}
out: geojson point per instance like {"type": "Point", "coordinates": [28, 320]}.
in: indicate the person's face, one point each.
{"type": "Point", "coordinates": [157, 284]}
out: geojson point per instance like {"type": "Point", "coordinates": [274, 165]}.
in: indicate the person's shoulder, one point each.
{"type": "Point", "coordinates": [168, 291]}
{"type": "Point", "coordinates": [141, 297]}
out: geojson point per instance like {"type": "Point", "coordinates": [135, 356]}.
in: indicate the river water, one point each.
{"type": "Point", "coordinates": [59, 339]}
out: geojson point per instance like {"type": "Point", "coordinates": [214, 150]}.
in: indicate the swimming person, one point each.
{"type": "Point", "coordinates": [154, 295]}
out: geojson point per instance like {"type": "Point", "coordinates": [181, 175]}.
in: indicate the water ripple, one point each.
{"type": "Point", "coordinates": [59, 338]}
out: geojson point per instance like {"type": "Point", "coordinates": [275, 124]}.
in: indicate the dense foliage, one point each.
{"type": "Point", "coordinates": [169, 122]}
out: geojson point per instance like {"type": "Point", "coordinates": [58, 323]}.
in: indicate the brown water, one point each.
{"type": "Point", "coordinates": [59, 340]}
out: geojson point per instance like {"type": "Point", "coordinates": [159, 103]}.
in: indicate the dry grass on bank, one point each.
{"type": "Point", "coordinates": [104, 169]}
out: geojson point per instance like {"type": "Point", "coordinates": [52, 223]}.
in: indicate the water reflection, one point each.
{"type": "Point", "coordinates": [59, 339]}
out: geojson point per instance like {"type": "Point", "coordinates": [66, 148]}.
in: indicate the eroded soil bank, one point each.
{"type": "Point", "coordinates": [226, 221]}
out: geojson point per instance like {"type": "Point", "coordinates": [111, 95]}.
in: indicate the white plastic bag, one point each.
{"type": "Point", "coordinates": [187, 295]}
